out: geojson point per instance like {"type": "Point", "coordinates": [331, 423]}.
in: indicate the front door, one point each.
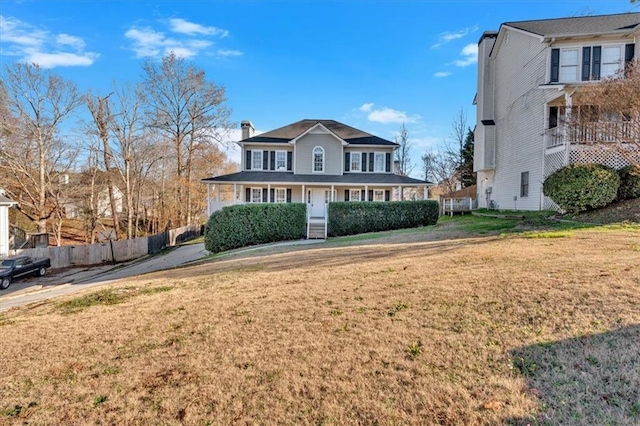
{"type": "Point", "coordinates": [317, 199]}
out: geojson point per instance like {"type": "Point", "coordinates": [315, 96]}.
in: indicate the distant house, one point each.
{"type": "Point", "coordinates": [528, 75]}
{"type": "Point", "coordinates": [5, 203]}
{"type": "Point", "coordinates": [313, 162]}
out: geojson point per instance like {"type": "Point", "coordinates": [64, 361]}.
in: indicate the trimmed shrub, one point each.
{"type": "Point", "coordinates": [580, 187]}
{"type": "Point", "coordinates": [629, 182]}
{"type": "Point", "coordinates": [348, 218]}
{"type": "Point", "coordinates": [250, 224]}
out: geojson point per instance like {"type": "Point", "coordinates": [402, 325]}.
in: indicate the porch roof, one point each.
{"type": "Point", "coordinates": [383, 179]}
{"type": "Point", "coordinates": [4, 201]}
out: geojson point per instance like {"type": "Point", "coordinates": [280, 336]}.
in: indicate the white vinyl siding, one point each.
{"type": "Point", "coordinates": [332, 154]}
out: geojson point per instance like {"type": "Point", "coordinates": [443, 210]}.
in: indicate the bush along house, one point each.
{"type": "Point", "coordinates": [313, 162]}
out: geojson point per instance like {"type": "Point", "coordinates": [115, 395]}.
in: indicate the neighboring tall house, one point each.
{"type": "Point", "coordinates": [5, 203]}
{"type": "Point", "coordinates": [313, 162]}
{"type": "Point", "coordinates": [528, 73]}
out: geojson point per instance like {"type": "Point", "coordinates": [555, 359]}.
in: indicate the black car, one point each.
{"type": "Point", "coordinates": [21, 266]}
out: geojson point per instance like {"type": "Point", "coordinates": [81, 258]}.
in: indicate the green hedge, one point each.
{"type": "Point", "coordinates": [250, 224]}
{"type": "Point", "coordinates": [348, 218]}
{"type": "Point", "coordinates": [629, 182]}
{"type": "Point", "coordinates": [580, 187]}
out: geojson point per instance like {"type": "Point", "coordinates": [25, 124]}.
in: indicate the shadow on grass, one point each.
{"type": "Point", "coordinates": [591, 379]}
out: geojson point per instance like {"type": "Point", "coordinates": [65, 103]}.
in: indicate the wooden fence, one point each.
{"type": "Point", "coordinates": [112, 251]}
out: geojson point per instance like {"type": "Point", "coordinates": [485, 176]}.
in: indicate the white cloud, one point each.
{"type": "Point", "coordinates": [35, 45]}
{"type": "Point", "coordinates": [469, 56]}
{"type": "Point", "coordinates": [229, 52]}
{"type": "Point", "coordinates": [387, 115]}
{"type": "Point", "coordinates": [442, 74]}
{"type": "Point", "coordinates": [366, 107]}
{"type": "Point", "coordinates": [449, 36]}
{"type": "Point", "coordinates": [188, 39]}
{"type": "Point", "coordinates": [182, 26]}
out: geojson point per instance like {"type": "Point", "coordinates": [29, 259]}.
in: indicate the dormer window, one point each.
{"type": "Point", "coordinates": [318, 159]}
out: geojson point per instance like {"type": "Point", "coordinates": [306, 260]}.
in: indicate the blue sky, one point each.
{"type": "Point", "coordinates": [370, 64]}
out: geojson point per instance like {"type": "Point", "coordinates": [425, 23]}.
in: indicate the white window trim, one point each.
{"type": "Point", "coordinates": [375, 163]}
{"type": "Point", "coordinates": [261, 194]}
{"type": "Point", "coordinates": [253, 159]}
{"type": "Point", "coordinates": [276, 198]}
{"type": "Point", "coordinates": [283, 168]}
{"type": "Point", "coordinates": [376, 192]}
{"type": "Point", "coordinates": [578, 76]}
{"type": "Point", "coordinates": [351, 156]}
{"type": "Point", "coordinates": [313, 160]}
{"type": "Point", "coordinates": [352, 191]}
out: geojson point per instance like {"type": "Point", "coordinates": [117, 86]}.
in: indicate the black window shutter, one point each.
{"type": "Point", "coordinates": [371, 159]}
{"type": "Point", "coordinates": [364, 162]}
{"type": "Point", "coordinates": [629, 53]}
{"type": "Point", "coordinates": [595, 62]}
{"type": "Point", "coordinates": [362, 197]}
{"type": "Point", "coordinates": [272, 156]}
{"type": "Point", "coordinates": [248, 160]}
{"type": "Point", "coordinates": [288, 195]}
{"type": "Point", "coordinates": [387, 195]}
{"type": "Point", "coordinates": [264, 195]}
{"type": "Point", "coordinates": [346, 195]}
{"type": "Point", "coordinates": [347, 159]}
{"type": "Point", "coordinates": [371, 195]}
{"type": "Point", "coordinates": [247, 198]}
{"type": "Point", "coordinates": [586, 63]}
{"type": "Point", "coordinates": [555, 65]}
{"type": "Point", "coordinates": [289, 160]}
{"type": "Point", "coordinates": [387, 159]}
{"type": "Point", "coordinates": [273, 196]}
{"type": "Point", "coordinates": [265, 160]}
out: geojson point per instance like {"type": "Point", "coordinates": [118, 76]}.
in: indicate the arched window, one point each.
{"type": "Point", "coordinates": [318, 159]}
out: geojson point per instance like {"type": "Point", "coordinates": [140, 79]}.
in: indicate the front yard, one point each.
{"type": "Point", "coordinates": [473, 321]}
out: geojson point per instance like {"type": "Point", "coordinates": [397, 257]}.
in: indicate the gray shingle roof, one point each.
{"type": "Point", "coordinates": [288, 177]}
{"type": "Point", "coordinates": [582, 25]}
{"type": "Point", "coordinates": [4, 201]}
{"type": "Point", "coordinates": [344, 132]}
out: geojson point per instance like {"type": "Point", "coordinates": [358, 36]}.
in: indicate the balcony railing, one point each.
{"type": "Point", "coordinates": [589, 133]}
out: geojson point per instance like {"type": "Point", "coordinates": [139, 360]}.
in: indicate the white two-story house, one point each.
{"type": "Point", "coordinates": [528, 75]}
{"type": "Point", "coordinates": [313, 162]}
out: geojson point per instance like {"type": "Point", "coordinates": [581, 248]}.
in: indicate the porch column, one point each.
{"type": "Point", "coordinates": [269, 193]}
{"type": "Point", "coordinates": [235, 193]}
{"type": "Point", "coordinates": [304, 195]}
{"type": "Point", "coordinates": [208, 199]}
{"type": "Point", "coordinates": [366, 193]}
{"type": "Point", "coordinates": [332, 196]}
{"type": "Point", "coordinates": [425, 194]}
{"type": "Point", "coordinates": [217, 188]}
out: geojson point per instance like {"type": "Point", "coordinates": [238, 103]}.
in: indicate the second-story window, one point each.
{"type": "Point", "coordinates": [256, 160]}
{"type": "Point", "coordinates": [378, 162]}
{"type": "Point", "coordinates": [588, 63]}
{"type": "Point", "coordinates": [318, 159]}
{"type": "Point", "coordinates": [281, 160]}
{"type": "Point", "coordinates": [356, 159]}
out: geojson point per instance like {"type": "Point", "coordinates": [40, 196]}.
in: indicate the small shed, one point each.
{"type": "Point", "coordinates": [5, 203]}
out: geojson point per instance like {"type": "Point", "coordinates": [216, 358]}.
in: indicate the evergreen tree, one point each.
{"type": "Point", "coordinates": [467, 176]}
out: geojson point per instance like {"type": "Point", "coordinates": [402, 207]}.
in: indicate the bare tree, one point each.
{"type": "Point", "coordinates": [403, 152]}
{"type": "Point", "coordinates": [440, 166]}
{"type": "Point", "coordinates": [459, 128]}
{"type": "Point", "coordinates": [607, 114]}
{"type": "Point", "coordinates": [32, 151]}
{"type": "Point", "coordinates": [188, 111]}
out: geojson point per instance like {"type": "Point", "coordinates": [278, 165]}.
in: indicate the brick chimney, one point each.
{"type": "Point", "coordinates": [247, 129]}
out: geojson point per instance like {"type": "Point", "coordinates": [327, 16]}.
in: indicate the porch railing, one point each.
{"type": "Point", "coordinates": [458, 205]}
{"type": "Point", "coordinates": [584, 133]}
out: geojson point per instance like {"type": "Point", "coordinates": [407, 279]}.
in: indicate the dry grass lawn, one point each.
{"type": "Point", "coordinates": [518, 329]}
